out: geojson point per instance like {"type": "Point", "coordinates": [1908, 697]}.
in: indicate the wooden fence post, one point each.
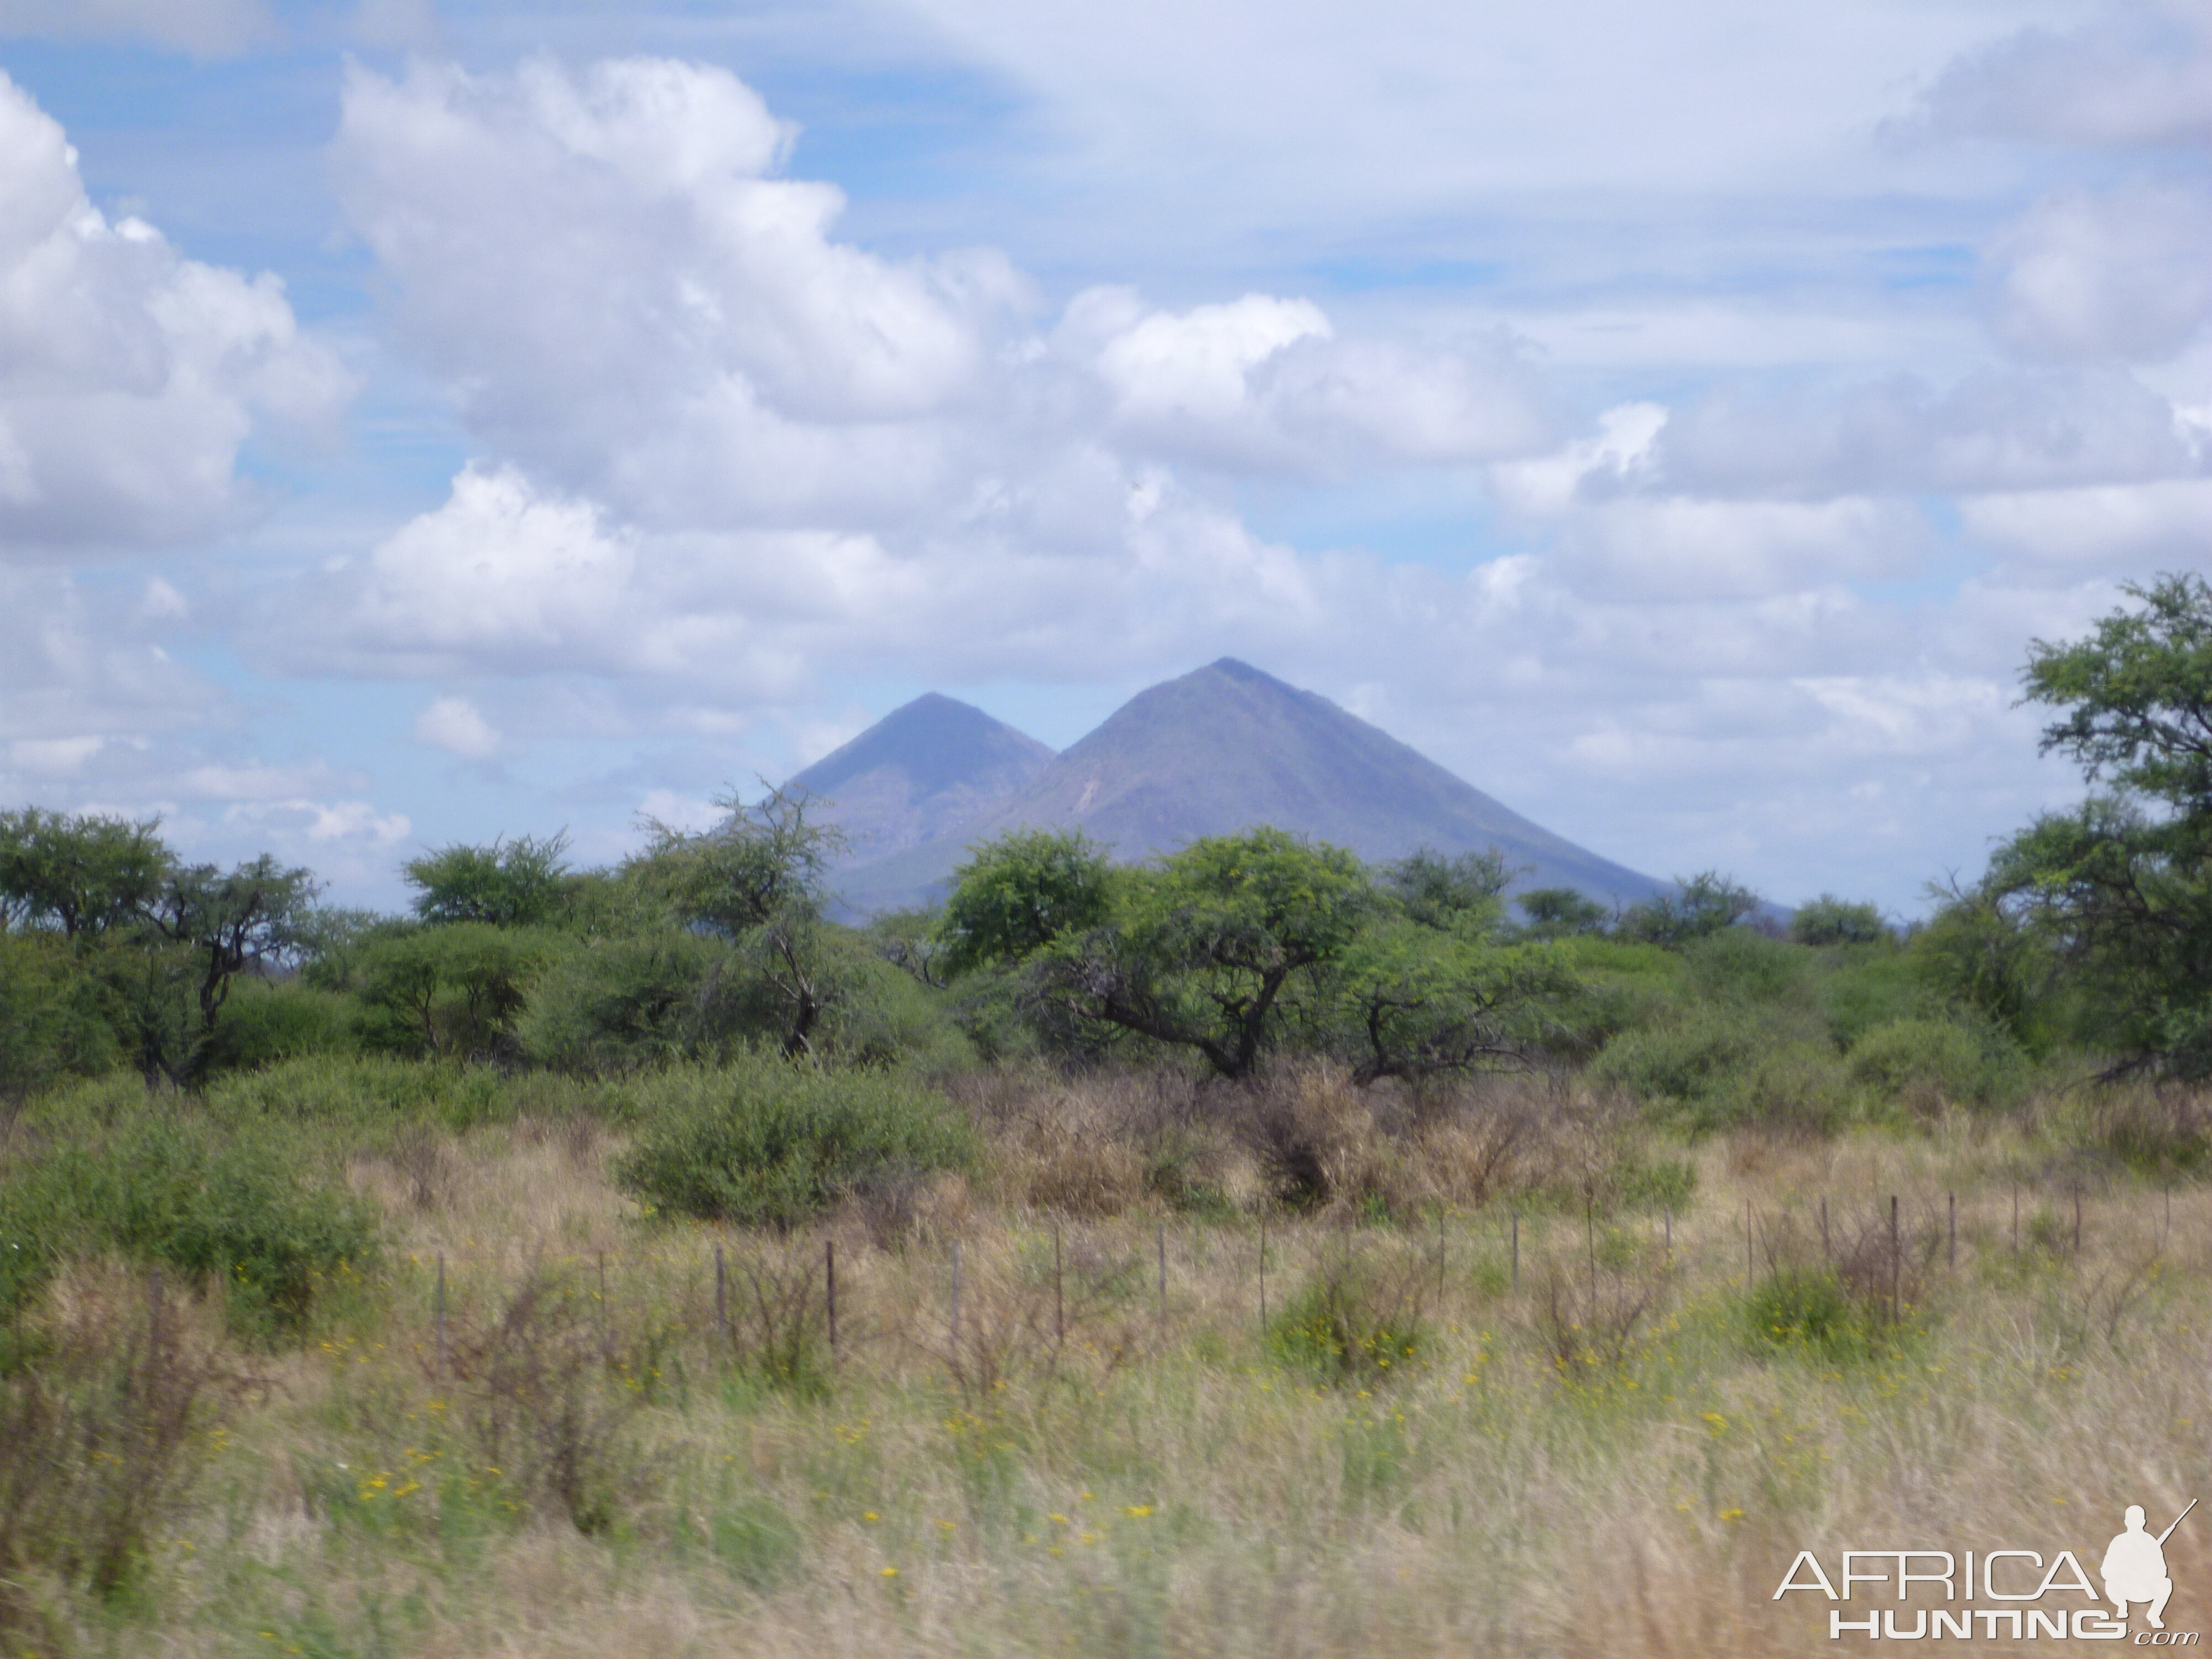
{"type": "Point", "coordinates": [722, 1298]}
{"type": "Point", "coordinates": [830, 1290]}
{"type": "Point", "coordinates": [1896, 1267]}
{"type": "Point", "coordinates": [956, 1298]}
{"type": "Point", "coordinates": [441, 1311]}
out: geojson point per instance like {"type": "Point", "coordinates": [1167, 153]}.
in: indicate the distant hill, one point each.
{"type": "Point", "coordinates": [1224, 749]}
{"type": "Point", "coordinates": [920, 773]}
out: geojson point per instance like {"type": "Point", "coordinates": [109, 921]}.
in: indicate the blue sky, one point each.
{"type": "Point", "coordinates": [422, 420]}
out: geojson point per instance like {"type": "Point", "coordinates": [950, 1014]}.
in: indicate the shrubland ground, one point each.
{"type": "Point", "coordinates": [1249, 1254]}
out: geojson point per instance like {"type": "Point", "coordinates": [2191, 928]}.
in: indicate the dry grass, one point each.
{"type": "Point", "coordinates": [1593, 1460]}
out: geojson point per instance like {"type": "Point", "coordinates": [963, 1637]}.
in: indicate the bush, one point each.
{"type": "Point", "coordinates": [1352, 1323]}
{"type": "Point", "coordinates": [1689, 1062]}
{"type": "Point", "coordinates": [98, 1446]}
{"type": "Point", "coordinates": [50, 1019]}
{"type": "Point", "coordinates": [1971, 1064]}
{"type": "Point", "coordinates": [176, 1191]}
{"type": "Point", "coordinates": [369, 1094]}
{"type": "Point", "coordinates": [1794, 1086]}
{"type": "Point", "coordinates": [638, 1001]}
{"type": "Point", "coordinates": [1828, 920]}
{"type": "Point", "coordinates": [454, 992]}
{"type": "Point", "coordinates": [1803, 1311]}
{"type": "Point", "coordinates": [263, 1023]}
{"type": "Point", "coordinates": [769, 1141]}
{"type": "Point", "coordinates": [1739, 965]}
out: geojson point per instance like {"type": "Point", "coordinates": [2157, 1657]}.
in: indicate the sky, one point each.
{"type": "Point", "coordinates": [423, 422]}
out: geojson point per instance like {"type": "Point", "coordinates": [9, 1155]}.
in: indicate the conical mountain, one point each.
{"type": "Point", "coordinates": [1228, 747]}
{"type": "Point", "coordinates": [919, 773]}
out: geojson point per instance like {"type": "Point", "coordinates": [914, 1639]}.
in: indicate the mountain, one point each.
{"type": "Point", "coordinates": [919, 773]}
{"type": "Point", "coordinates": [1228, 747]}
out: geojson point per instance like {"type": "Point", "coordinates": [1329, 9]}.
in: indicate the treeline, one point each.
{"type": "Point", "coordinates": [2087, 942]}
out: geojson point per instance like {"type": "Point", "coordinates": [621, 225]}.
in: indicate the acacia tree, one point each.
{"type": "Point", "coordinates": [758, 879]}
{"type": "Point", "coordinates": [1200, 951]}
{"type": "Point", "coordinates": [2120, 888]}
{"type": "Point", "coordinates": [1017, 894]}
{"type": "Point", "coordinates": [521, 883]}
{"type": "Point", "coordinates": [78, 876]}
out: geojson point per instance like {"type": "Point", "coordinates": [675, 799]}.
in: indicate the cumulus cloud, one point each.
{"type": "Point", "coordinates": [205, 28]}
{"type": "Point", "coordinates": [724, 455]}
{"type": "Point", "coordinates": [1264, 383]}
{"type": "Point", "coordinates": [130, 376]}
{"type": "Point", "coordinates": [458, 725]}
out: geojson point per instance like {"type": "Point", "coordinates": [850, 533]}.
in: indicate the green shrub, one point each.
{"type": "Point", "coordinates": [51, 1023]}
{"type": "Point", "coordinates": [1688, 1062]}
{"type": "Point", "coordinates": [1872, 986]}
{"type": "Point", "coordinates": [766, 1140]}
{"type": "Point", "coordinates": [1828, 920]}
{"type": "Point", "coordinates": [176, 1190]}
{"type": "Point", "coordinates": [1350, 1323]}
{"type": "Point", "coordinates": [452, 992]}
{"type": "Point", "coordinates": [1793, 1085]}
{"type": "Point", "coordinates": [1737, 964]}
{"type": "Point", "coordinates": [263, 1023]}
{"type": "Point", "coordinates": [1803, 1311]}
{"type": "Point", "coordinates": [638, 1001]}
{"type": "Point", "coordinates": [1972, 1065]}
{"type": "Point", "coordinates": [369, 1094]}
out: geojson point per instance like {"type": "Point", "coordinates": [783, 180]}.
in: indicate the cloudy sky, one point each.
{"type": "Point", "coordinates": [420, 420]}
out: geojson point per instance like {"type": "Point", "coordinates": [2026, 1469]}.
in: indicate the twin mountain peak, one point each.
{"type": "Point", "coordinates": [1216, 752]}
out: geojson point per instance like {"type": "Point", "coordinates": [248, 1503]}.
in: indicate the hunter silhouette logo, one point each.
{"type": "Point", "coordinates": [2135, 1566]}
{"type": "Point", "coordinates": [2133, 1570]}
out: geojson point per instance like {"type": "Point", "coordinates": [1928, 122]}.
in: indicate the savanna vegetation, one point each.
{"type": "Point", "coordinates": [1251, 1251]}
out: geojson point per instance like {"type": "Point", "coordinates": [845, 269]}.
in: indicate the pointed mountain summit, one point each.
{"type": "Point", "coordinates": [1227, 748]}
{"type": "Point", "coordinates": [921, 773]}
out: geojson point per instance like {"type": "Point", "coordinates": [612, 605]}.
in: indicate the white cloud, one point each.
{"type": "Point", "coordinates": [725, 457]}
{"type": "Point", "coordinates": [130, 376]}
{"type": "Point", "coordinates": [2126, 273]}
{"type": "Point", "coordinates": [457, 725]}
{"type": "Point", "coordinates": [205, 28]}
{"type": "Point", "coordinates": [1993, 429]}
{"type": "Point", "coordinates": [2137, 527]}
{"type": "Point", "coordinates": [2137, 73]}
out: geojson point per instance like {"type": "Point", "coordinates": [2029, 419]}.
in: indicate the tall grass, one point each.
{"type": "Point", "coordinates": [1612, 1443]}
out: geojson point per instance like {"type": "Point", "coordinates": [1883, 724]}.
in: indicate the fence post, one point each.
{"type": "Point", "coordinates": [1590, 1232]}
{"type": "Point", "coordinates": [829, 1287]}
{"type": "Point", "coordinates": [1896, 1267]}
{"type": "Point", "coordinates": [1440, 1244]}
{"type": "Point", "coordinates": [722, 1298]}
{"type": "Point", "coordinates": [1517, 1251]}
{"type": "Point", "coordinates": [1263, 1273]}
{"type": "Point", "coordinates": [2077, 1220]}
{"type": "Point", "coordinates": [1162, 1239]}
{"type": "Point", "coordinates": [441, 1311]}
{"type": "Point", "coordinates": [1060, 1305]}
{"type": "Point", "coordinates": [1952, 1259]}
{"type": "Point", "coordinates": [956, 1298]}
